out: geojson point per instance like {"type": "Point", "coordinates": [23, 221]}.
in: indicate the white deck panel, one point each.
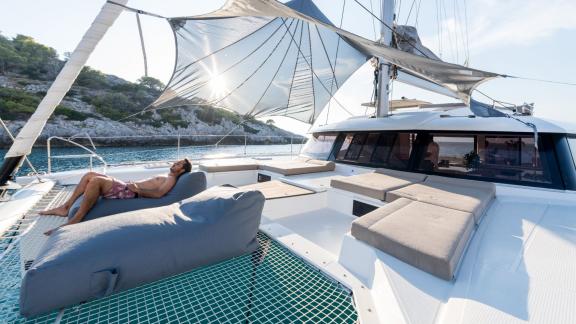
{"type": "Point", "coordinates": [521, 267]}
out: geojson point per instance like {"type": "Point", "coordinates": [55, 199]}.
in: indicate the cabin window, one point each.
{"type": "Point", "coordinates": [572, 143]}
{"type": "Point", "coordinates": [499, 157]}
{"type": "Point", "coordinates": [319, 146]}
{"type": "Point", "coordinates": [389, 150]}
{"type": "Point", "coordinates": [448, 154]}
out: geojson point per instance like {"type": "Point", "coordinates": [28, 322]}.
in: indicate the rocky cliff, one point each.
{"type": "Point", "coordinates": [98, 104]}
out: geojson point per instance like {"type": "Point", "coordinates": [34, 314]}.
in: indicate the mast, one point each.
{"type": "Point", "coordinates": [25, 139]}
{"type": "Point", "coordinates": [387, 16]}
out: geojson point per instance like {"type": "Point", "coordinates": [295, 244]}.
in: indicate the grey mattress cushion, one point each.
{"type": "Point", "coordinates": [429, 237]}
{"type": "Point", "coordinates": [188, 185]}
{"type": "Point", "coordinates": [93, 259]}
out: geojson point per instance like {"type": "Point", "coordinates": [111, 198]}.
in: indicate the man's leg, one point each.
{"type": "Point", "coordinates": [95, 187]}
{"type": "Point", "coordinates": [63, 209]}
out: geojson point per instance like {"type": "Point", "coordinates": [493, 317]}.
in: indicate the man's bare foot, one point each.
{"type": "Point", "coordinates": [61, 211]}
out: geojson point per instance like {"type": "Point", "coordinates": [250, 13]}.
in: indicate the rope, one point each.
{"type": "Point", "coordinates": [138, 11]}
{"type": "Point", "coordinates": [410, 12]}
{"type": "Point", "coordinates": [392, 30]}
{"type": "Point", "coordinates": [336, 58]}
{"type": "Point", "coordinates": [25, 157]}
{"type": "Point", "coordinates": [540, 80]}
{"type": "Point", "coordinates": [142, 44]}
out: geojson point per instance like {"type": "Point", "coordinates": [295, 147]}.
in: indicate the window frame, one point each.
{"type": "Point", "coordinates": [546, 143]}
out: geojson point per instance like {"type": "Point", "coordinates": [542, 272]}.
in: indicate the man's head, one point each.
{"type": "Point", "coordinates": [181, 167]}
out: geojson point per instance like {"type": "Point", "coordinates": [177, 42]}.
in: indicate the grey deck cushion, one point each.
{"type": "Point", "coordinates": [89, 260]}
{"type": "Point", "coordinates": [429, 237]}
{"type": "Point", "coordinates": [228, 166]}
{"type": "Point", "coordinates": [188, 185]}
{"type": "Point", "coordinates": [376, 184]}
{"type": "Point", "coordinates": [298, 166]}
{"type": "Point", "coordinates": [464, 195]}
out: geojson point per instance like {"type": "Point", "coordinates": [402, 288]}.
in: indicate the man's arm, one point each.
{"type": "Point", "coordinates": [157, 192]}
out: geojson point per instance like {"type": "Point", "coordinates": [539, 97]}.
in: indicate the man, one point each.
{"type": "Point", "coordinates": [93, 185]}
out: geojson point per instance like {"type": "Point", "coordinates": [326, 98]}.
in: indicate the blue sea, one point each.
{"type": "Point", "coordinates": [118, 155]}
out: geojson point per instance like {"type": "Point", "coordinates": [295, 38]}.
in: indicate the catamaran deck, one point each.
{"type": "Point", "coordinates": [271, 285]}
{"type": "Point", "coordinates": [518, 267]}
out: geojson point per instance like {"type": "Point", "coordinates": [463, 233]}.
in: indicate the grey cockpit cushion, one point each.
{"type": "Point", "coordinates": [188, 185]}
{"type": "Point", "coordinates": [93, 259]}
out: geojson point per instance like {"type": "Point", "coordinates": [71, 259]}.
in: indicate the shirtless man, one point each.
{"type": "Point", "coordinates": [93, 185]}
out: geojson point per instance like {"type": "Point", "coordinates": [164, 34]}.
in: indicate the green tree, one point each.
{"type": "Point", "coordinates": [151, 83]}
{"type": "Point", "coordinates": [9, 58]}
{"type": "Point", "coordinates": [40, 62]}
{"type": "Point", "coordinates": [91, 78]}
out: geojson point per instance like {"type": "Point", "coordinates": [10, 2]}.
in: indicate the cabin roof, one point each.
{"type": "Point", "coordinates": [449, 119]}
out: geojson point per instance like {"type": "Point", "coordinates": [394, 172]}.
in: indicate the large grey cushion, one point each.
{"type": "Point", "coordinates": [298, 166]}
{"type": "Point", "coordinates": [188, 185]}
{"type": "Point", "coordinates": [464, 195]}
{"type": "Point", "coordinates": [228, 166]}
{"type": "Point", "coordinates": [376, 184]}
{"type": "Point", "coordinates": [429, 237]}
{"type": "Point", "coordinates": [93, 259]}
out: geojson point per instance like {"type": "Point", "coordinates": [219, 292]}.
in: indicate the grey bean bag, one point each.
{"type": "Point", "coordinates": [93, 259]}
{"type": "Point", "coordinates": [188, 185]}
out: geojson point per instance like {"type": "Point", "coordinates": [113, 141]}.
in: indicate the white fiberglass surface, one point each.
{"type": "Point", "coordinates": [520, 266]}
{"type": "Point", "coordinates": [324, 227]}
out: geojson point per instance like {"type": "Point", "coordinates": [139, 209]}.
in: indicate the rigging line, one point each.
{"type": "Point", "coordinates": [255, 71]}
{"type": "Point", "coordinates": [194, 88]}
{"type": "Point", "coordinates": [467, 32]}
{"type": "Point", "coordinates": [501, 103]}
{"type": "Point", "coordinates": [418, 13]}
{"type": "Point", "coordinates": [410, 12]}
{"type": "Point", "coordinates": [445, 17]}
{"type": "Point", "coordinates": [540, 80]}
{"type": "Point", "coordinates": [320, 80]}
{"type": "Point", "coordinates": [373, 22]}
{"type": "Point", "coordinates": [138, 11]}
{"type": "Point", "coordinates": [142, 44]}
{"type": "Point", "coordinates": [439, 28]}
{"type": "Point", "coordinates": [25, 157]}
{"type": "Point", "coordinates": [336, 59]}
{"type": "Point", "coordinates": [225, 47]}
{"type": "Point", "coordinates": [325, 52]}
{"type": "Point", "coordinates": [311, 75]}
{"type": "Point", "coordinates": [185, 92]}
{"type": "Point", "coordinates": [295, 63]}
{"type": "Point", "coordinates": [397, 34]}
{"type": "Point", "coordinates": [399, 8]}
{"type": "Point", "coordinates": [456, 20]}
{"type": "Point", "coordinates": [275, 74]}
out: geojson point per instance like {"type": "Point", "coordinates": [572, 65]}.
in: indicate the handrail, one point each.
{"type": "Point", "coordinates": [92, 153]}
{"type": "Point", "coordinates": [68, 140]}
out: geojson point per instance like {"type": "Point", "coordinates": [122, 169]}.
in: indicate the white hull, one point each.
{"type": "Point", "coordinates": [518, 268]}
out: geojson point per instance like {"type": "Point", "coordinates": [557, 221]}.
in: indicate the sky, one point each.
{"type": "Point", "coordinates": [528, 38]}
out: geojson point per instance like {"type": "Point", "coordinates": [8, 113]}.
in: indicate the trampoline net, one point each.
{"type": "Point", "coordinates": [269, 286]}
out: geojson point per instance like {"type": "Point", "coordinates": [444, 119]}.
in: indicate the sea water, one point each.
{"type": "Point", "coordinates": [119, 155]}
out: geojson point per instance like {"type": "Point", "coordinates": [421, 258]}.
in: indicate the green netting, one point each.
{"type": "Point", "coordinates": [269, 286]}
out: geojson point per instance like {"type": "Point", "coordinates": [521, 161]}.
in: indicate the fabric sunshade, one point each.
{"type": "Point", "coordinates": [265, 58]}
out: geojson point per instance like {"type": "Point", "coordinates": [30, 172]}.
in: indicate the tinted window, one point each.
{"type": "Point", "coordinates": [319, 146]}
{"type": "Point", "coordinates": [391, 150]}
{"type": "Point", "coordinates": [510, 158]}
{"type": "Point", "coordinates": [572, 142]}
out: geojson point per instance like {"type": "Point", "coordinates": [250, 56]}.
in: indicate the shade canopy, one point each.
{"type": "Point", "coordinates": [266, 58]}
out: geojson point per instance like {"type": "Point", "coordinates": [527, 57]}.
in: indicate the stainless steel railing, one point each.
{"type": "Point", "coordinates": [91, 153]}
{"type": "Point", "coordinates": [248, 140]}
